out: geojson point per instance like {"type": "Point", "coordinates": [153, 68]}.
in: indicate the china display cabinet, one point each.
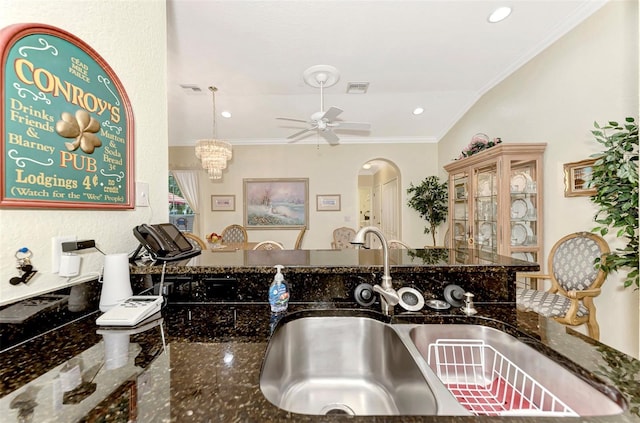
{"type": "Point", "coordinates": [495, 201]}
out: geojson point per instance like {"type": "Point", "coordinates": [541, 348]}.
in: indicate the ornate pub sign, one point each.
{"type": "Point", "coordinates": [67, 124]}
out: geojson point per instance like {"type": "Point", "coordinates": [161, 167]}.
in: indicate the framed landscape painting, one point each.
{"type": "Point", "coordinates": [276, 203]}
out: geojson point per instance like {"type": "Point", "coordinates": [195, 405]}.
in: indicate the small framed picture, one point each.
{"type": "Point", "coordinates": [328, 202]}
{"type": "Point", "coordinates": [223, 203]}
{"type": "Point", "coordinates": [577, 176]}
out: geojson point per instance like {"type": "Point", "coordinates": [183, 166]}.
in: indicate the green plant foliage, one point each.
{"type": "Point", "coordinates": [624, 372]}
{"type": "Point", "coordinates": [615, 178]}
{"type": "Point", "coordinates": [430, 200]}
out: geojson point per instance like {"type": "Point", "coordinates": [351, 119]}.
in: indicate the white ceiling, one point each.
{"type": "Point", "coordinates": [440, 55]}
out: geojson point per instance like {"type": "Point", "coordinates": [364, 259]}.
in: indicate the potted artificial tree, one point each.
{"type": "Point", "coordinates": [430, 200]}
{"type": "Point", "coordinates": [615, 179]}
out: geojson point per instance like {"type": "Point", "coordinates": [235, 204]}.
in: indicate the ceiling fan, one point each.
{"type": "Point", "coordinates": [323, 122]}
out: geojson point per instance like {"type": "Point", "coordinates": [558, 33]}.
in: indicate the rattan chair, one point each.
{"type": "Point", "coordinates": [299, 239]}
{"type": "Point", "coordinates": [342, 238]}
{"type": "Point", "coordinates": [195, 239]}
{"type": "Point", "coordinates": [575, 282]}
{"type": "Point", "coordinates": [269, 245]}
{"type": "Point", "coordinates": [233, 234]}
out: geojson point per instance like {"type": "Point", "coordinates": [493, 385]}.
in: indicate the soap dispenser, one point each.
{"type": "Point", "coordinates": [278, 292]}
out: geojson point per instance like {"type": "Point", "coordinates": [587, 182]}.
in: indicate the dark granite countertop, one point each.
{"type": "Point", "coordinates": [327, 261]}
{"type": "Point", "coordinates": [200, 361]}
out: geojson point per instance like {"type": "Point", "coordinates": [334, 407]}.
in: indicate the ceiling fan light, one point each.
{"type": "Point", "coordinates": [500, 14]}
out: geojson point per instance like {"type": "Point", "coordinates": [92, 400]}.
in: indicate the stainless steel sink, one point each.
{"type": "Point", "coordinates": [345, 365]}
{"type": "Point", "coordinates": [362, 366]}
{"type": "Point", "coordinates": [581, 397]}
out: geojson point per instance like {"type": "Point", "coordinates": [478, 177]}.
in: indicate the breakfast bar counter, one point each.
{"type": "Point", "coordinates": [200, 358]}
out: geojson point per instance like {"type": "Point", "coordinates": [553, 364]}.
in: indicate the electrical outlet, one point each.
{"type": "Point", "coordinates": [142, 194]}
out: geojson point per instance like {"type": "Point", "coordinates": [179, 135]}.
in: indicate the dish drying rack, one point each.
{"type": "Point", "coordinates": [487, 383]}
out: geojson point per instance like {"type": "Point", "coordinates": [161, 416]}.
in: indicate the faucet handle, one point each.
{"type": "Point", "coordinates": [390, 295]}
{"type": "Point", "coordinates": [468, 308]}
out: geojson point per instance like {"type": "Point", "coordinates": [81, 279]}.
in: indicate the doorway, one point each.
{"type": "Point", "coordinates": [379, 199]}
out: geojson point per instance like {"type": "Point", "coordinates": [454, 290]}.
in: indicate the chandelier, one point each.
{"type": "Point", "coordinates": [213, 153]}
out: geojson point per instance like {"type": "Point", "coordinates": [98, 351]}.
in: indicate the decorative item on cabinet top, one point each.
{"type": "Point", "coordinates": [479, 142]}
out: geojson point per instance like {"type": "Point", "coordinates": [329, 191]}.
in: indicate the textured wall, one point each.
{"type": "Point", "coordinates": [108, 27]}
{"type": "Point", "coordinates": [330, 171]}
{"type": "Point", "coordinates": [591, 74]}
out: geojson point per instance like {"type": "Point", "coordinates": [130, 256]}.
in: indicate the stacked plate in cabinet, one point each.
{"type": "Point", "coordinates": [521, 208]}
{"type": "Point", "coordinates": [520, 182]}
{"type": "Point", "coordinates": [520, 233]}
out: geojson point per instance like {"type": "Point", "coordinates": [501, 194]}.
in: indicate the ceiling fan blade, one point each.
{"type": "Point", "coordinates": [293, 120]}
{"type": "Point", "coordinates": [356, 126]}
{"type": "Point", "coordinates": [331, 114]}
{"type": "Point", "coordinates": [330, 137]}
{"type": "Point", "coordinates": [297, 134]}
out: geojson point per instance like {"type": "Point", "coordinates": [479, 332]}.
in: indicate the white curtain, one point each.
{"type": "Point", "coordinates": [188, 182]}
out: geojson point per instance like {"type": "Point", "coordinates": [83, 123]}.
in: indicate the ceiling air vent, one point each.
{"type": "Point", "coordinates": [357, 87]}
{"type": "Point", "coordinates": [191, 89]}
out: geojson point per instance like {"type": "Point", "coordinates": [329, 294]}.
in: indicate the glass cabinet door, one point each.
{"type": "Point", "coordinates": [524, 207]}
{"type": "Point", "coordinates": [485, 209]}
{"type": "Point", "coordinates": [460, 209]}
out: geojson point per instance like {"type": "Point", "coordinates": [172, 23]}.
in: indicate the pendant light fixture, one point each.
{"type": "Point", "coordinates": [214, 153]}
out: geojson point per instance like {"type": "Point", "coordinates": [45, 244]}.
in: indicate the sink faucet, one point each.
{"type": "Point", "coordinates": [388, 296]}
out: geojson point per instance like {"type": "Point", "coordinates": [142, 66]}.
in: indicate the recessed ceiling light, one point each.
{"type": "Point", "coordinates": [366, 166]}
{"type": "Point", "coordinates": [499, 14]}
{"type": "Point", "coordinates": [225, 114]}
{"type": "Point", "coordinates": [418, 111]}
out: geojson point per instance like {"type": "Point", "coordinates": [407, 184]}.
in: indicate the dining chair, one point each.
{"type": "Point", "coordinates": [299, 239]}
{"type": "Point", "coordinates": [181, 223]}
{"type": "Point", "coordinates": [234, 234]}
{"type": "Point", "coordinates": [195, 239]}
{"type": "Point", "coordinates": [575, 282]}
{"type": "Point", "coordinates": [269, 245]}
{"type": "Point", "coordinates": [342, 238]}
{"type": "Point", "coordinates": [395, 243]}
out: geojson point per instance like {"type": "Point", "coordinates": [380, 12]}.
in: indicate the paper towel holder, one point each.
{"type": "Point", "coordinates": [116, 284]}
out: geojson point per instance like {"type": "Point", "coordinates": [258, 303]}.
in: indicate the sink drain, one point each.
{"type": "Point", "coordinates": [337, 409]}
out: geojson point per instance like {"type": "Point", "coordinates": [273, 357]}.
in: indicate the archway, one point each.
{"type": "Point", "coordinates": [379, 197]}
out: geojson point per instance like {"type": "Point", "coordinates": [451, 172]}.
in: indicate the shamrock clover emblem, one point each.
{"type": "Point", "coordinates": [82, 127]}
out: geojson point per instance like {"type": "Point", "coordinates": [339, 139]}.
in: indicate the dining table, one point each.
{"type": "Point", "coordinates": [232, 246]}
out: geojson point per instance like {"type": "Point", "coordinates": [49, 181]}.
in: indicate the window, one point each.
{"type": "Point", "coordinates": [180, 214]}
